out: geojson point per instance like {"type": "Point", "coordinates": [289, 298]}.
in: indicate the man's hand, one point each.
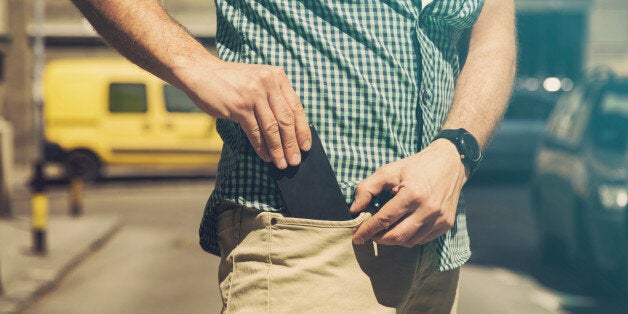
{"type": "Point", "coordinates": [426, 187]}
{"type": "Point", "coordinates": [261, 99]}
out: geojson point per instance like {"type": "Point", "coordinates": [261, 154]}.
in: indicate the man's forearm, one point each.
{"type": "Point", "coordinates": [142, 31]}
{"type": "Point", "coordinates": [485, 83]}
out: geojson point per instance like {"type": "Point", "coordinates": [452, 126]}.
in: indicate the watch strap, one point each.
{"type": "Point", "coordinates": [455, 136]}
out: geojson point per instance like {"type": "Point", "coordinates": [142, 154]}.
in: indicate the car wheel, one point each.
{"type": "Point", "coordinates": [83, 163]}
{"type": "Point", "coordinates": [553, 251]}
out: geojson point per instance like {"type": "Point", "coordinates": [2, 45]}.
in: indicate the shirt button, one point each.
{"type": "Point", "coordinates": [424, 97]}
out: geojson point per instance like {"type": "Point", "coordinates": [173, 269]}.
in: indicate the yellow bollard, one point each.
{"type": "Point", "coordinates": [39, 211]}
{"type": "Point", "coordinates": [39, 205]}
{"type": "Point", "coordinates": [76, 195]}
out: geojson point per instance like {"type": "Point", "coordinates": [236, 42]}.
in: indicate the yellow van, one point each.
{"type": "Point", "coordinates": [101, 112]}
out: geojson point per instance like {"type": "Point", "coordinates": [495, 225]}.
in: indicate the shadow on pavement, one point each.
{"type": "Point", "coordinates": [135, 179]}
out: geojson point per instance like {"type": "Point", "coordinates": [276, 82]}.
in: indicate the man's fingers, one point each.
{"type": "Point", "coordinates": [302, 129]}
{"type": "Point", "coordinates": [270, 132]}
{"type": "Point", "coordinates": [404, 233]}
{"type": "Point", "coordinates": [365, 190]}
{"type": "Point", "coordinates": [286, 123]}
{"type": "Point", "coordinates": [386, 177]}
{"type": "Point", "coordinates": [422, 238]}
{"type": "Point", "coordinates": [254, 134]}
{"type": "Point", "coordinates": [398, 207]}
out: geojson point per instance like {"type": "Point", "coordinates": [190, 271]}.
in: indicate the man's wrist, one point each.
{"type": "Point", "coordinates": [451, 151]}
{"type": "Point", "coordinates": [466, 144]}
{"type": "Point", "coordinates": [185, 68]}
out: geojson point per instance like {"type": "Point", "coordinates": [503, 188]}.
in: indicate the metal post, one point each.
{"type": "Point", "coordinates": [39, 201]}
{"type": "Point", "coordinates": [76, 195]}
{"type": "Point", "coordinates": [6, 162]}
{"type": "Point", "coordinates": [5, 202]}
{"type": "Point", "coordinates": [39, 206]}
{"type": "Point", "coordinates": [38, 71]}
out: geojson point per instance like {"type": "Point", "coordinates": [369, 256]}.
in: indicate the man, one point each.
{"type": "Point", "coordinates": [380, 80]}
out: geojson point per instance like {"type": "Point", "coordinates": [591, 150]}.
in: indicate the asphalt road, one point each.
{"type": "Point", "coordinates": [154, 265]}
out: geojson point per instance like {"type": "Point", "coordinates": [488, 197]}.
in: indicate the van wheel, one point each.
{"type": "Point", "coordinates": [584, 251]}
{"type": "Point", "coordinates": [83, 163]}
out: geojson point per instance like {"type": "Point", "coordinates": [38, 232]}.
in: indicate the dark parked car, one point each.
{"type": "Point", "coordinates": [512, 149]}
{"type": "Point", "coordinates": [579, 186]}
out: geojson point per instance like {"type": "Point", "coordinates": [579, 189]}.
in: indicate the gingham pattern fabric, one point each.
{"type": "Point", "coordinates": [376, 79]}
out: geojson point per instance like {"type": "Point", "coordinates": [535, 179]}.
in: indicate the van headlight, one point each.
{"type": "Point", "coordinates": [613, 197]}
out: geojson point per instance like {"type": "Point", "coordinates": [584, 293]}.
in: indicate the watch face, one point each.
{"type": "Point", "coordinates": [470, 146]}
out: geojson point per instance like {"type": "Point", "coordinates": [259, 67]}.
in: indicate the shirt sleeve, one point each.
{"type": "Point", "coordinates": [452, 15]}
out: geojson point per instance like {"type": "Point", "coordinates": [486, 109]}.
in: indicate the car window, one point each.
{"type": "Point", "coordinates": [568, 121]}
{"type": "Point", "coordinates": [178, 101]}
{"type": "Point", "coordinates": [610, 119]}
{"type": "Point", "coordinates": [127, 98]}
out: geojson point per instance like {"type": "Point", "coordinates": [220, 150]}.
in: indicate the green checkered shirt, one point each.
{"type": "Point", "coordinates": [376, 79]}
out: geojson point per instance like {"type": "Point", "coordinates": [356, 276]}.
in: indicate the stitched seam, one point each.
{"type": "Point", "coordinates": [237, 219]}
{"type": "Point", "coordinates": [270, 264]}
{"type": "Point", "coordinates": [233, 269]}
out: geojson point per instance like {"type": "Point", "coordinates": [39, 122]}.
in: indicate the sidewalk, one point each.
{"type": "Point", "coordinates": [25, 276]}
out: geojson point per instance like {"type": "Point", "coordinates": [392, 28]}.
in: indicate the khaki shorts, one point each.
{"type": "Point", "coordinates": [276, 264]}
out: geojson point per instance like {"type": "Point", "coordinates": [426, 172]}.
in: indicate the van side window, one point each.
{"type": "Point", "coordinates": [127, 98]}
{"type": "Point", "coordinates": [178, 101]}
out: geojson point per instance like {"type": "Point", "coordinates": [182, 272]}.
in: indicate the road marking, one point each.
{"type": "Point", "coordinates": [546, 300]}
{"type": "Point", "coordinates": [506, 277]}
{"type": "Point", "coordinates": [578, 301]}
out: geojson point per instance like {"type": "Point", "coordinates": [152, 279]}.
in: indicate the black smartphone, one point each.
{"type": "Point", "coordinates": [310, 190]}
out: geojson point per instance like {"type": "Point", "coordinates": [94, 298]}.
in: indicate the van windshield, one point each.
{"type": "Point", "coordinates": [178, 101]}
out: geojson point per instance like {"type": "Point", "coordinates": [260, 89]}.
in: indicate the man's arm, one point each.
{"type": "Point", "coordinates": [259, 97]}
{"type": "Point", "coordinates": [427, 185]}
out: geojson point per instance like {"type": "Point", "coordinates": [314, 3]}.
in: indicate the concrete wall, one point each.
{"type": "Point", "coordinates": [4, 26]}
{"type": "Point", "coordinates": [198, 16]}
{"type": "Point", "coordinates": [18, 108]}
{"type": "Point", "coordinates": [561, 5]}
{"type": "Point", "coordinates": [608, 33]}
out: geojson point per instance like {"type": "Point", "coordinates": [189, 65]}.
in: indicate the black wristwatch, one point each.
{"type": "Point", "coordinates": [467, 145]}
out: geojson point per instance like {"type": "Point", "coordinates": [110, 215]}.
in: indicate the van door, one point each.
{"type": "Point", "coordinates": [129, 126]}
{"type": "Point", "coordinates": [189, 134]}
